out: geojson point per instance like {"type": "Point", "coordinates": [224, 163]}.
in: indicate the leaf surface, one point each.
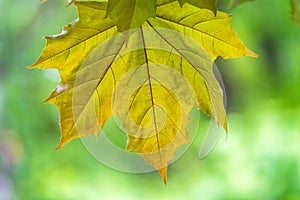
{"type": "Point", "coordinates": [214, 33]}
{"type": "Point", "coordinates": [207, 4]}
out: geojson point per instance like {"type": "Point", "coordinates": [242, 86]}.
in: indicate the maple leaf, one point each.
{"type": "Point", "coordinates": [150, 113]}
{"type": "Point", "coordinates": [295, 10]}
{"type": "Point", "coordinates": [129, 14]}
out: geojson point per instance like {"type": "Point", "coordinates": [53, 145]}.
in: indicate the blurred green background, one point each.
{"type": "Point", "coordinates": [259, 160]}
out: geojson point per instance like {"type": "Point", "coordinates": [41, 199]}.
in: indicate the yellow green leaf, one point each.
{"type": "Point", "coordinates": [129, 14]}
{"type": "Point", "coordinates": [105, 73]}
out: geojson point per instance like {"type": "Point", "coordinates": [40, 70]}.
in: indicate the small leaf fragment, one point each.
{"type": "Point", "coordinates": [295, 10]}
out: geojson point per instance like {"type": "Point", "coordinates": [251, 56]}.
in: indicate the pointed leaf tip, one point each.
{"type": "Point", "coordinates": [163, 174]}
{"type": "Point", "coordinates": [59, 146]}
{"type": "Point", "coordinates": [64, 141]}
{"type": "Point", "coordinates": [252, 54]}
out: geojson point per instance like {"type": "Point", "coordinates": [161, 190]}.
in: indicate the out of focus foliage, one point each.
{"type": "Point", "coordinates": [238, 2]}
{"type": "Point", "coordinates": [259, 160]}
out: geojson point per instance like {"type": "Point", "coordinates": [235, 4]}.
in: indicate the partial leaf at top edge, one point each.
{"type": "Point", "coordinates": [295, 10]}
{"type": "Point", "coordinates": [130, 14]}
